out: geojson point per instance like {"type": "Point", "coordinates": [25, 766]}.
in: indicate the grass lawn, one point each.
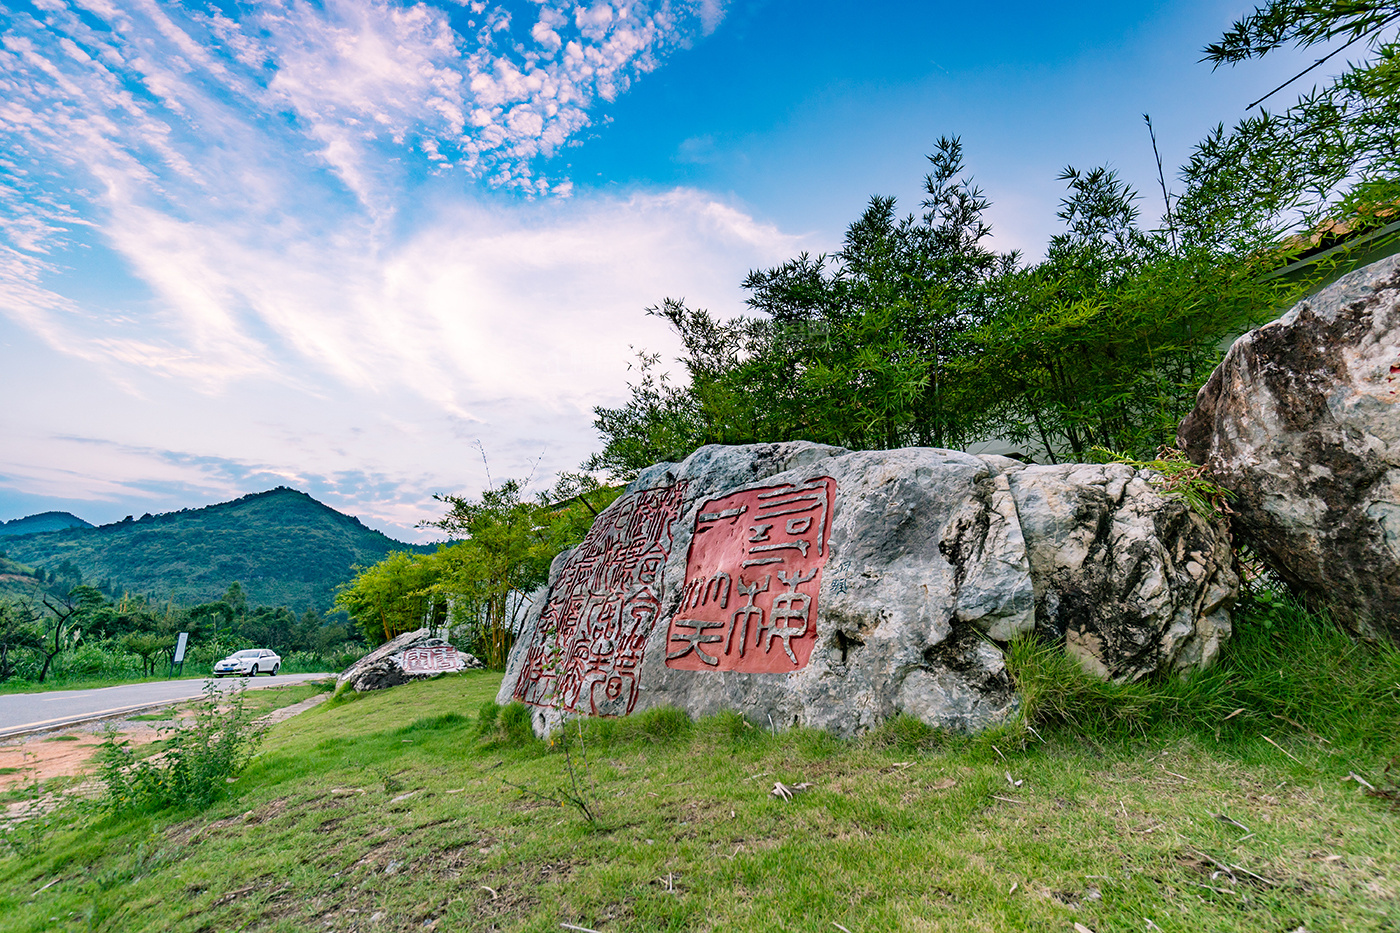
{"type": "Point", "coordinates": [392, 812]}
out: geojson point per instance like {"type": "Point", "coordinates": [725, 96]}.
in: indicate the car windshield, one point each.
{"type": "Point", "coordinates": [246, 654]}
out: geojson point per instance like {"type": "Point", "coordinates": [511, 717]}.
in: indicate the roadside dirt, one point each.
{"type": "Point", "coordinates": [67, 753]}
{"type": "Point", "coordinates": [33, 759]}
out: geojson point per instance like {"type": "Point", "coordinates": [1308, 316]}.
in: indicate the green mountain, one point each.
{"type": "Point", "coordinates": [44, 521]}
{"type": "Point", "coordinates": [17, 582]}
{"type": "Point", "coordinates": [283, 546]}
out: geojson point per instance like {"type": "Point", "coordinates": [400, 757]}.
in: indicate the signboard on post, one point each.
{"type": "Point", "coordinates": [178, 658]}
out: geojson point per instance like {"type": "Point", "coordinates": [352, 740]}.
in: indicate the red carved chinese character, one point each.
{"type": "Point", "coordinates": [602, 608]}
{"type": "Point", "coordinates": [780, 529]}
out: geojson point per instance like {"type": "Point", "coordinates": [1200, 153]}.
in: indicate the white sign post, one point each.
{"type": "Point", "coordinates": [180, 652]}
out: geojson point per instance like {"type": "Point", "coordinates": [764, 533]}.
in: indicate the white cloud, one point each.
{"type": "Point", "coordinates": [249, 177]}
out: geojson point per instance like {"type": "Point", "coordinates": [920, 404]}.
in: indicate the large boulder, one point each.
{"type": "Point", "coordinates": [1302, 422]}
{"type": "Point", "coordinates": [411, 656]}
{"type": "Point", "coordinates": [802, 584]}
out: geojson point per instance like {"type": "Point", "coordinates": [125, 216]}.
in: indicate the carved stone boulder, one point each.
{"type": "Point", "coordinates": [411, 656]}
{"type": "Point", "coordinates": [801, 584]}
{"type": "Point", "coordinates": [1302, 422]}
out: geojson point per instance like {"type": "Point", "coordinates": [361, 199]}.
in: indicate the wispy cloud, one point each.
{"type": "Point", "coordinates": [221, 215]}
{"type": "Point", "coordinates": [248, 172]}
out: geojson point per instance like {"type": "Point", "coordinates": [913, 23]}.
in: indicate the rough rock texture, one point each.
{"type": "Point", "coordinates": [1134, 583]}
{"type": "Point", "coordinates": [809, 585]}
{"type": "Point", "coordinates": [1302, 422]}
{"type": "Point", "coordinates": [411, 656]}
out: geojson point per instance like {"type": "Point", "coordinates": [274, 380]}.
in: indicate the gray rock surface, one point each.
{"type": "Point", "coordinates": [1302, 422]}
{"type": "Point", "coordinates": [915, 567]}
{"type": "Point", "coordinates": [411, 656]}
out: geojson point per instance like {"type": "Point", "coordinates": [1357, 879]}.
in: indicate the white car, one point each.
{"type": "Point", "coordinates": [249, 662]}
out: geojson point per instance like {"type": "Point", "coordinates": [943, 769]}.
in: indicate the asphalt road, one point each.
{"type": "Point", "coordinates": [26, 712]}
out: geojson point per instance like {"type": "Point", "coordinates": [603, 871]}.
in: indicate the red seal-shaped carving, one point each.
{"type": "Point", "coordinates": [751, 580]}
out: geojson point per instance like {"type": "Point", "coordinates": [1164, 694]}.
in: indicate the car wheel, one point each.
{"type": "Point", "coordinates": [253, 672]}
{"type": "Point", "coordinates": [275, 669]}
{"type": "Point", "coordinates": [218, 676]}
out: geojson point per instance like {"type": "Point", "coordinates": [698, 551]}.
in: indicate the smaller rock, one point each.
{"type": "Point", "coordinates": [411, 656]}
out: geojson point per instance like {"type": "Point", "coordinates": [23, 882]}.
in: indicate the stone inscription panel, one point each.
{"type": "Point", "coordinates": [431, 660]}
{"type": "Point", "coordinates": [602, 608]}
{"type": "Point", "coordinates": [751, 580]}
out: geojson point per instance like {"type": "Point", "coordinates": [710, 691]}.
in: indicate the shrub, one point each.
{"type": "Point", "coordinates": [506, 725]}
{"type": "Point", "coordinates": [195, 765]}
{"type": "Point", "coordinates": [1284, 666]}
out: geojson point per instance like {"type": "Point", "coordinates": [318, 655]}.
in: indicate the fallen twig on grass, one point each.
{"type": "Point", "coordinates": [786, 791]}
{"type": "Point", "coordinates": [47, 886]}
{"type": "Point", "coordinates": [1279, 747]}
{"type": "Point", "coordinates": [1302, 728]}
{"type": "Point", "coordinates": [1225, 819]}
{"type": "Point", "coordinates": [1353, 776]}
{"type": "Point", "coordinates": [1197, 884]}
{"type": "Point", "coordinates": [1272, 884]}
{"type": "Point", "coordinates": [1391, 793]}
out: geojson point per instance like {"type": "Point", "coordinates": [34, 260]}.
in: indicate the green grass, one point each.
{"type": "Point", "coordinates": [396, 811]}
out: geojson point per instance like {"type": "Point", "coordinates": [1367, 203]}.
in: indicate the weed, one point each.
{"type": "Point", "coordinates": [663, 724]}
{"type": "Point", "coordinates": [486, 717]}
{"type": "Point", "coordinates": [392, 785]}
{"type": "Point", "coordinates": [193, 767]}
{"type": "Point", "coordinates": [507, 725]}
{"type": "Point", "coordinates": [433, 723]}
{"type": "Point", "coordinates": [905, 733]}
{"type": "Point", "coordinates": [1284, 666]}
{"type": "Point", "coordinates": [1176, 477]}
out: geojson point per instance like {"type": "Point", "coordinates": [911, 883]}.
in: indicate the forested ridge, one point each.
{"type": "Point", "coordinates": [283, 546]}
{"type": "Point", "coordinates": [43, 521]}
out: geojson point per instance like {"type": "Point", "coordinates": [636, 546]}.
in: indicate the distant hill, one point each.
{"type": "Point", "coordinates": [17, 582]}
{"type": "Point", "coordinates": [283, 546]}
{"type": "Point", "coordinates": [44, 521]}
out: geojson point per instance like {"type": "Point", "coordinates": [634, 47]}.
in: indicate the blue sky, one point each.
{"type": "Point", "coordinates": [336, 245]}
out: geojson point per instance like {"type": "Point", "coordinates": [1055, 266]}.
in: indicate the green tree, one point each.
{"type": "Point", "coordinates": [506, 544]}
{"type": "Point", "coordinates": [1106, 342]}
{"type": "Point", "coordinates": [19, 631]}
{"type": "Point", "coordinates": [1335, 151]}
{"type": "Point", "coordinates": [149, 646]}
{"type": "Point", "coordinates": [481, 582]}
{"type": "Point", "coordinates": [393, 596]}
{"type": "Point", "coordinates": [60, 626]}
{"type": "Point", "coordinates": [856, 349]}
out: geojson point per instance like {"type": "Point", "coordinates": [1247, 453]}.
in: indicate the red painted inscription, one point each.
{"type": "Point", "coordinates": [601, 610]}
{"type": "Point", "coordinates": [751, 581]}
{"type": "Point", "coordinates": [431, 660]}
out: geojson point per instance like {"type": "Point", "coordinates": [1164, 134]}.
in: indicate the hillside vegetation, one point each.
{"type": "Point", "coordinates": [283, 546]}
{"type": "Point", "coordinates": [44, 521]}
